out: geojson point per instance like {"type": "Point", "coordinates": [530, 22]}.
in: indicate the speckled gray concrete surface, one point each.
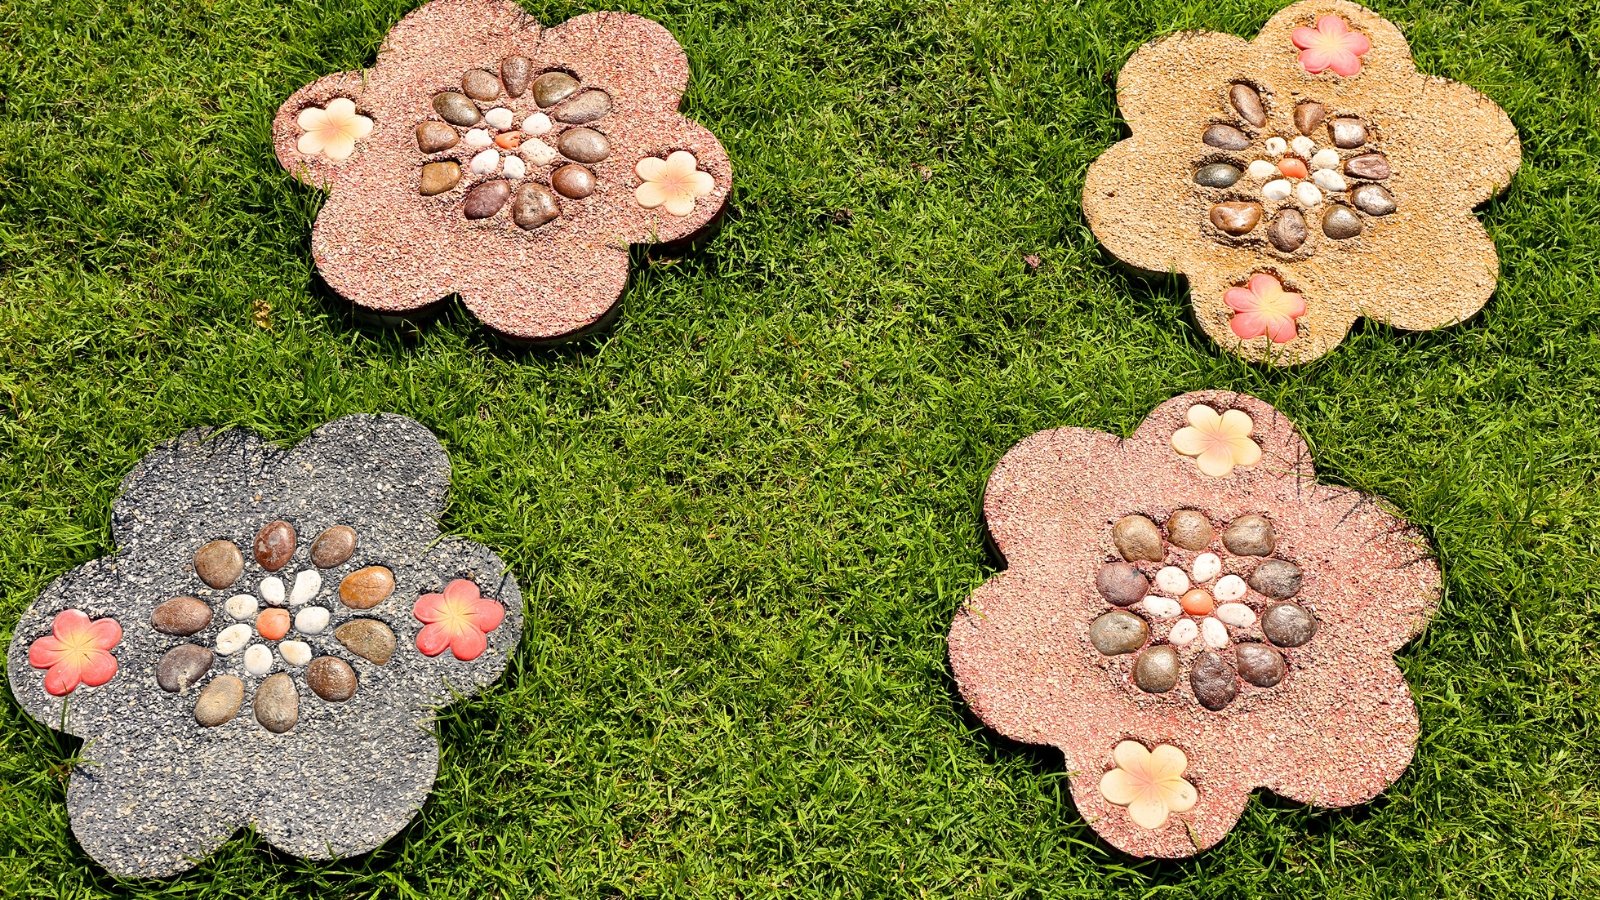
{"type": "Point", "coordinates": [154, 791]}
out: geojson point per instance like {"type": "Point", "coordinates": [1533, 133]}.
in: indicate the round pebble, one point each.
{"type": "Point", "coordinates": [306, 586]}
{"type": "Point", "coordinates": [586, 107]}
{"type": "Point", "coordinates": [1288, 230]}
{"type": "Point", "coordinates": [1288, 624]}
{"type": "Point", "coordinates": [1293, 167]}
{"type": "Point", "coordinates": [219, 563]}
{"type": "Point", "coordinates": [538, 152]}
{"type": "Point", "coordinates": [1183, 633]}
{"type": "Point", "coordinates": [583, 145]}
{"type": "Point", "coordinates": [1249, 535]}
{"type": "Point", "coordinates": [1341, 222]}
{"type": "Point", "coordinates": [1118, 632]}
{"type": "Point", "coordinates": [182, 666]}
{"type": "Point", "coordinates": [1276, 579]}
{"type": "Point", "coordinates": [367, 638]}
{"type": "Point", "coordinates": [1197, 602]}
{"type": "Point", "coordinates": [1373, 199]}
{"type": "Point", "coordinates": [508, 140]}
{"type": "Point", "coordinates": [219, 701]}
{"type": "Point", "coordinates": [233, 638]}
{"type": "Point", "coordinates": [1229, 587]}
{"type": "Point", "coordinates": [1347, 132]}
{"type": "Point", "coordinates": [1214, 633]}
{"type": "Point", "coordinates": [273, 623]}
{"type": "Point", "coordinates": [456, 109]}
{"type": "Point", "coordinates": [1218, 175]}
{"type": "Point", "coordinates": [1205, 567]}
{"type": "Point", "coordinates": [1236, 217]}
{"type": "Point", "coordinates": [1226, 137]}
{"type": "Point", "coordinates": [1190, 529]}
{"type": "Point", "coordinates": [1259, 664]}
{"type": "Point", "coordinates": [1368, 165]}
{"type": "Point", "coordinates": [1236, 614]}
{"type": "Point", "coordinates": [1156, 670]}
{"type": "Point", "coordinates": [1326, 158]}
{"type": "Point", "coordinates": [1307, 193]}
{"type": "Point", "coordinates": [333, 546]}
{"type": "Point", "coordinates": [1138, 538]}
{"type": "Point", "coordinates": [331, 678]}
{"type": "Point", "coordinates": [478, 138]}
{"type": "Point", "coordinates": [274, 545]}
{"type": "Point", "coordinates": [1308, 115]}
{"type": "Point", "coordinates": [1172, 580]}
{"type": "Point", "coordinates": [311, 620]}
{"type": "Point", "coordinates": [1329, 180]}
{"type": "Point", "coordinates": [499, 117]}
{"type": "Point", "coordinates": [1261, 170]}
{"type": "Point", "coordinates": [515, 167]}
{"type": "Point", "coordinates": [573, 180]}
{"type": "Point", "coordinates": [534, 205]}
{"type": "Point", "coordinates": [486, 199]}
{"type": "Point", "coordinates": [537, 124]}
{"type": "Point", "coordinates": [515, 72]}
{"type": "Point", "coordinates": [553, 87]}
{"type": "Point", "coordinates": [485, 162]}
{"type": "Point", "coordinates": [295, 653]}
{"type": "Point", "coordinates": [480, 84]}
{"type": "Point", "coordinates": [242, 606]}
{"type": "Point", "coordinates": [257, 659]}
{"type": "Point", "coordinates": [1121, 583]}
{"type": "Point", "coordinates": [1303, 146]}
{"type": "Point", "coordinates": [1162, 607]}
{"type": "Point", "coordinates": [366, 588]}
{"type": "Point", "coordinates": [438, 177]}
{"type": "Point", "coordinates": [435, 136]}
{"type": "Point", "coordinates": [1275, 147]}
{"type": "Point", "coordinates": [277, 705]}
{"type": "Point", "coordinates": [181, 616]}
{"type": "Point", "coordinates": [1213, 681]}
{"type": "Point", "coordinates": [1277, 189]}
{"type": "Point", "coordinates": [272, 590]}
{"type": "Point", "coordinates": [1247, 100]}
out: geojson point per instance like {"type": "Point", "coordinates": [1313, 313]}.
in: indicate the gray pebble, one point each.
{"type": "Point", "coordinates": [1226, 137]}
{"type": "Point", "coordinates": [1156, 670]}
{"type": "Point", "coordinates": [1373, 199]}
{"type": "Point", "coordinates": [1288, 624]}
{"type": "Point", "coordinates": [1249, 535]}
{"type": "Point", "coordinates": [182, 666]}
{"type": "Point", "coordinates": [1217, 175]}
{"type": "Point", "coordinates": [277, 705]}
{"type": "Point", "coordinates": [515, 72]}
{"type": "Point", "coordinates": [586, 107]}
{"type": "Point", "coordinates": [1118, 632]}
{"type": "Point", "coordinates": [1213, 680]}
{"type": "Point", "coordinates": [1288, 230]}
{"type": "Point", "coordinates": [1277, 579]}
{"type": "Point", "coordinates": [1347, 132]}
{"type": "Point", "coordinates": [1341, 223]}
{"type": "Point", "coordinates": [1368, 165]}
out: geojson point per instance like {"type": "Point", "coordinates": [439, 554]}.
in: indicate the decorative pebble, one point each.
{"type": "Point", "coordinates": [1183, 633]}
{"type": "Point", "coordinates": [1308, 115]}
{"type": "Point", "coordinates": [1373, 199]}
{"type": "Point", "coordinates": [1341, 222]}
{"type": "Point", "coordinates": [1288, 624]}
{"type": "Point", "coordinates": [367, 638]}
{"type": "Point", "coordinates": [573, 180]}
{"type": "Point", "coordinates": [233, 638]}
{"type": "Point", "coordinates": [435, 136]}
{"type": "Point", "coordinates": [1197, 602]}
{"type": "Point", "coordinates": [515, 167]}
{"type": "Point", "coordinates": [1249, 535]}
{"type": "Point", "coordinates": [257, 659]}
{"type": "Point", "coordinates": [366, 588]}
{"type": "Point", "coordinates": [1326, 158]}
{"type": "Point", "coordinates": [333, 546]}
{"type": "Point", "coordinates": [586, 107]}
{"type": "Point", "coordinates": [311, 620]}
{"type": "Point", "coordinates": [485, 162]}
{"type": "Point", "coordinates": [1162, 607]}
{"type": "Point", "coordinates": [219, 563]}
{"type": "Point", "coordinates": [538, 152]}
{"type": "Point", "coordinates": [1205, 567]}
{"type": "Point", "coordinates": [331, 678]}
{"type": "Point", "coordinates": [438, 177]}
{"type": "Point", "coordinates": [1121, 583]}
{"type": "Point", "coordinates": [1247, 100]}
{"type": "Point", "coordinates": [486, 199]}
{"type": "Point", "coordinates": [1261, 170]}
{"type": "Point", "coordinates": [508, 140]}
{"type": "Point", "coordinates": [274, 545]}
{"type": "Point", "coordinates": [242, 606]}
{"type": "Point", "coordinates": [1138, 538]}
{"type": "Point", "coordinates": [1347, 133]}
{"type": "Point", "coordinates": [1156, 670]}
{"type": "Point", "coordinates": [534, 205]}
{"type": "Point", "coordinates": [553, 87]}
{"type": "Point", "coordinates": [1172, 580]}
{"type": "Point", "coordinates": [1213, 681]}
{"type": "Point", "coordinates": [514, 73]}
{"type": "Point", "coordinates": [277, 706]}
{"type": "Point", "coordinates": [182, 666]}
{"type": "Point", "coordinates": [181, 616]}
{"type": "Point", "coordinates": [272, 590]}
{"type": "Point", "coordinates": [537, 124]}
{"type": "Point", "coordinates": [1288, 230]}
{"type": "Point", "coordinates": [1118, 632]}
{"type": "Point", "coordinates": [1226, 137]}
{"type": "Point", "coordinates": [478, 137]}
{"type": "Point", "coordinates": [306, 586]}
{"type": "Point", "coordinates": [1259, 664]}
{"type": "Point", "coordinates": [1303, 146]}
{"type": "Point", "coordinates": [456, 109]}
{"type": "Point", "coordinates": [1307, 193]}
{"type": "Point", "coordinates": [1329, 180]}
{"type": "Point", "coordinates": [499, 117]}
{"type": "Point", "coordinates": [480, 84]}
{"type": "Point", "coordinates": [1236, 217]}
{"type": "Point", "coordinates": [295, 653]}
{"type": "Point", "coordinates": [1277, 189]}
{"type": "Point", "coordinates": [1293, 167]}
{"type": "Point", "coordinates": [1368, 165]}
{"type": "Point", "coordinates": [1236, 614]}
{"type": "Point", "coordinates": [1276, 579]}
{"type": "Point", "coordinates": [1214, 633]}
{"type": "Point", "coordinates": [219, 701]}
{"type": "Point", "coordinates": [273, 623]}
{"type": "Point", "coordinates": [584, 145]}
{"type": "Point", "coordinates": [1276, 147]}
{"type": "Point", "coordinates": [1217, 175]}
{"type": "Point", "coordinates": [1190, 529]}
{"type": "Point", "coordinates": [1229, 587]}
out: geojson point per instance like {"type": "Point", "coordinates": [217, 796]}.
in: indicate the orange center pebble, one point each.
{"type": "Point", "coordinates": [1293, 167]}
{"type": "Point", "coordinates": [1197, 602]}
{"type": "Point", "coordinates": [508, 140]}
{"type": "Point", "coordinates": [273, 623]}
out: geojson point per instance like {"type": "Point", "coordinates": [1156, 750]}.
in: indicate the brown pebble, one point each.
{"type": "Point", "coordinates": [1288, 624]}
{"type": "Point", "coordinates": [1374, 166]}
{"type": "Point", "coordinates": [333, 546]}
{"type": "Point", "coordinates": [480, 84]}
{"type": "Point", "coordinates": [1308, 115]}
{"type": "Point", "coordinates": [573, 180]}
{"type": "Point", "coordinates": [435, 136]}
{"type": "Point", "coordinates": [1247, 100]}
{"type": "Point", "coordinates": [553, 87]}
{"type": "Point", "coordinates": [1190, 529]}
{"type": "Point", "coordinates": [535, 205]}
{"type": "Point", "coordinates": [219, 563]}
{"type": "Point", "coordinates": [1347, 132]}
{"type": "Point", "coordinates": [1236, 217]}
{"type": "Point", "coordinates": [456, 109]}
{"type": "Point", "coordinates": [1373, 199]}
{"type": "Point", "coordinates": [486, 199]}
{"type": "Point", "coordinates": [586, 107]}
{"type": "Point", "coordinates": [1288, 230]}
{"type": "Point", "coordinates": [1213, 680]}
{"type": "Point", "coordinates": [1118, 632]}
{"type": "Point", "coordinates": [1156, 670]}
{"type": "Point", "coordinates": [1259, 664]}
{"type": "Point", "coordinates": [584, 145]}
{"type": "Point", "coordinates": [1122, 584]}
{"type": "Point", "coordinates": [1226, 137]}
{"type": "Point", "coordinates": [366, 588]}
{"type": "Point", "coordinates": [331, 678]}
{"type": "Point", "coordinates": [1341, 222]}
{"type": "Point", "coordinates": [438, 177]}
{"type": "Point", "coordinates": [1249, 535]}
{"type": "Point", "coordinates": [1138, 538]}
{"type": "Point", "coordinates": [369, 639]}
{"type": "Point", "coordinates": [181, 616]}
{"type": "Point", "coordinates": [219, 701]}
{"type": "Point", "coordinates": [1276, 578]}
{"type": "Point", "coordinates": [182, 666]}
{"type": "Point", "coordinates": [515, 72]}
{"type": "Point", "coordinates": [277, 704]}
{"type": "Point", "coordinates": [274, 545]}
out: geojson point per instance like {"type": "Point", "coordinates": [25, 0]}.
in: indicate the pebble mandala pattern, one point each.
{"type": "Point", "coordinates": [294, 615]}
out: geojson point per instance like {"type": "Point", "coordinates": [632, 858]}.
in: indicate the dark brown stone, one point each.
{"type": "Point", "coordinates": [1138, 538]}
{"type": "Point", "coordinates": [274, 545]}
{"type": "Point", "coordinates": [515, 72]}
{"type": "Point", "coordinates": [1121, 583]}
{"type": "Point", "coordinates": [1288, 230]}
{"type": "Point", "coordinates": [456, 109]}
{"type": "Point", "coordinates": [1259, 664]}
{"type": "Point", "coordinates": [1118, 632]}
{"type": "Point", "coordinates": [1308, 115]}
{"type": "Point", "coordinates": [573, 180]}
{"type": "Point", "coordinates": [333, 546]}
{"type": "Point", "coordinates": [1249, 535]}
{"type": "Point", "coordinates": [1288, 624]}
{"type": "Point", "coordinates": [1226, 137]}
{"type": "Point", "coordinates": [369, 639]}
{"type": "Point", "coordinates": [1276, 579]}
{"type": "Point", "coordinates": [331, 678]}
{"type": "Point", "coordinates": [435, 136]}
{"type": "Point", "coordinates": [182, 666]}
{"type": "Point", "coordinates": [1190, 529]}
{"type": "Point", "coordinates": [181, 616]}
{"type": "Point", "coordinates": [1347, 132]}
{"type": "Point", "coordinates": [1373, 199]}
{"type": "Point", "coordinates": [366, 588]}
{"type": "Point", "coordinates": [1247, 100]}
{"type": "Point", "coordinates": [1374, 166]}
{"type": "Point", "coordinates": [486, 199]}
{"type": "Point", "coordinates": [1236, 217]}
{"type": "Point", "coordinates": [535, 205]}
{"type": "Point", "coordinates": [1213, 680]}
{"type": "Point", "coordinates": [219, 563]}
{"type": "Point", "coordinates": [1341, 222]}
{"type": "Point", "coordinates": [553, 87]}
{"type": "Point", "coordinates": [1156, 670]}
{"type": "Point", "coordinates": [480, 84]}
{"type": "Point", "coordinates": [438, 177]}
{"type": "Point", "coordinates": [583, 145]}
{"type": "Point", "coordinates": [277, 704]}
{"type": "Point", "coordinates": [219, 701]}
{"type": "Point", "coordinates": [586, 107]}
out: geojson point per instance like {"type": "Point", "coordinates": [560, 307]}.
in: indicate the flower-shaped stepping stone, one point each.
{"type": "Point", "coordinates": [265, 649]}
{"type": "Point", "coordinates": [1188, 615]}
{"type": "Point", "coordinates": [1304, 179]}
{"type": "Point", "coordinates": [487, 156]}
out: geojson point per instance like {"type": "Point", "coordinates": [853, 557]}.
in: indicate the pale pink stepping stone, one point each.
{"type": "Point", "coordinates": [487, 156]}
{"type": "Point", "coordinates": [1304, 179]}
{"type": "Point", "coordinates": [1188, 616]}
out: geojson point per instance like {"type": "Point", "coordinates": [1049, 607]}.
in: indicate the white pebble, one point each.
{"type": "Point", "coordinates": [1277, 146]}
{"type": "Point", "coordinates": [1307, 194]}
{"type": "Point", "coordinates": [1230, 587]}
{"type": "Point", "coordinates": [1326, 158]}
{"type": "Point", "coordinates": [233, 638]}
{"type": "Point", "coordinates": [1162, 607]}
{"type": "Point", "coordinates": [311, 620]}
{"type": "Point", "coordinates": [1328, 180]}
{"type": "Point", "coordinates": [241, 606]}
{"type": "Point", "coordinates": [1183, 633]}
{"type": "Point", "coordinates": [478, 137]}
{"type": "Point", "coordinates": [1261, 170]}
{"type": "Point", "coordinates": [499, 117]}
{"type": "Point", "coordinates": [272, 590]}
{"type": "Point", "coordinates": [515, 167]}
{"type": "Point", "coordinates": [295, 653]}
{"type": "Point", "coordinates": [1215, 633]}
{"type": "Point", "coordinates": [306, 585]}
{"type": "Point", "coordinates": [538, 123]}
{"type": "Point", "coordinates": [538, 152]}
{"type": "Point", "coordinates": [1206, 567]}
{"type": "Point", "coordinates": [1236, 614]}
{"type": "Point", "coordinates": [1279, 189]}
{"type": "Point", "coordinates": [258, 659]}
{"type": "Point", "coordinates": [1171, 580]}
{"type": "Point", "coordinates": [1303, 146]}
{"type": "Point", "coordinates": [486, 161]}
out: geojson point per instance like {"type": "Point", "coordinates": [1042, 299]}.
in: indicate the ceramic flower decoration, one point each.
{"type": "Point", "coordinates": [489, 157]}
{"type": "Point", "coordinates": [262, 624]}
{"type": "Point", "coordinates": [1186, 635]}
{"type": "Point", "coordinates": [1302, 180]}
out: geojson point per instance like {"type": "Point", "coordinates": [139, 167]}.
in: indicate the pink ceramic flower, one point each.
{"type": "Point", "coordinates": [332, 130]}
{"type": "Point", "coordinates": [1219, 442]}
{"type": "Point", "coordinates": [1264, 308]}
{"type": "Point", "coordinates": [673, 183]}
{"type": "Point", "coordinates": [460, 619]}
{"type": "Point", "coordinates": [1148, 782]}
{"type": "Point", "coordinates": [1331, 45]}
{"type": "Point", "coordinates": [78, 651]}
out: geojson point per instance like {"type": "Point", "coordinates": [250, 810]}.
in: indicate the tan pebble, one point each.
{"type": "Point", "coordinates": [366, 588]}
{"type": "Point", "coordinates": [219, 701]}
{"type": "Point", "coordinates": [331, 678]}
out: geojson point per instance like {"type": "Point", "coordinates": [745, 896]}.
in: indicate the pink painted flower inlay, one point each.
{"type": "Point", "coordinates": [460, 619]}
{"type": "Point", "coordinates": [78, 651]}
{"type": "Point", "coordinates": [1331, 45]}
{"type": "Point", "coordinates": [1263, 307]}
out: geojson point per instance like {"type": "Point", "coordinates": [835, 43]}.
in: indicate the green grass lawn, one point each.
{"type": "Point", "coordinates": [745, 515]}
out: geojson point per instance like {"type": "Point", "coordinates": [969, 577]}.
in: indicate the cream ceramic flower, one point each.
{"type": "Point", "coordinates": [1218, 442]}
{"type": "Point", "coordinates": [1149, 783]}
{"type": "Point", "coordinates": [332, 130]}
{"type": "Point", "coordinates": [674, 183]}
